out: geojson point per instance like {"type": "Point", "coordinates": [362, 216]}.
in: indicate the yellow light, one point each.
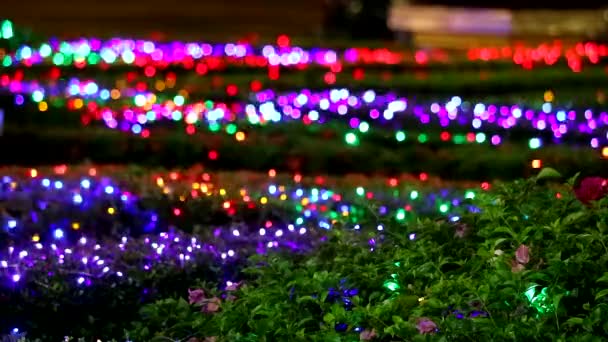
{"type": "Point", "coordinates": [166, 190]}
{"type": "Point", "coordinates": [13, 185]}
{"type": "Point", "coordinates": [263, 200]}
{"type": "Point", "coordinates": [111, 211]}
{"type": "Point", "coordinates": [345, 213]}
{"type": "Point", "coordinates": [160, 85]}
{"type": "Point", "coordinates": [78, 103]}
{"type": "Point", "coordinates": [152, 99]}
{"type": "Point", "coordinates": [304, 201]}
{"type": "Point", "coordinates": [605, 152]}
{"type": "Point", "coordinates": [115, 94]}
{"type": "Point", "coordinates": [536, 164]}
{"type": "Point", "coordinates": [196, 185]}
{"type": "Point", "coordinates": [204, 188]}
{"type": "Point", "coordinates": [283, 197]}
{"type": "Point", "coordinates": [549, 96]}
{"type": "Point", "coordinates": [182, 198]}
{"type": "Point", "coordinates": [240, 136]}
{"type": "Point", "coordinates": [160, 182]}
{"type": "Point", "coordinates": [222, 192]}
{"type": "Point", "coordinates": [36, 238]}
{"type": "Point", "coordinates": [43, 106]}
{"type": "Point", "coordinates": [34, 173]}
{"type": "Point", "coordinates": [75, 225]}
{"type": "Point", "coordinates": [243, 192]}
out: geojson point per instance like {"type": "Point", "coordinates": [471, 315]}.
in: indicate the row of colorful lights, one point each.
{"type": "Point", "coordinates": [362, 110]}
{"type": "Point", "coordinates": [142, 53]}
{"type": "Point", "coordinates": [66, 218]}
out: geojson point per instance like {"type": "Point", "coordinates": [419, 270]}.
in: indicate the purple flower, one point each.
{"type": "Point", "coordinates": [426, 326]}
{"type": "Point", "coordinates": [522, 254]}
{"type": "Point", "coordinates": [233, 286]}
{"type": "Point", "coordinates": [367, 335]}
{"type": "Point", "coordinates": [196, 296]}
{"type": "Point", "coordinates": [591, 189]}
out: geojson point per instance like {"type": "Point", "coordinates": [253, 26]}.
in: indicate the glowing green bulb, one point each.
{"type": "Point", "coordinates": [6, 31]}
{"type": "Point", "coordinates": [422, 138]}
{"type": "Point", "coordinates": [360, 191]}
{"type": "Point", "coordinates": [176, 115]}
{"type": "Point", "coordinates": [414, 194]}
{"type": "Point", "coordinates": [444, 208]}
{"type": "Point", "coordinates": [535, 143]}
{"type": "Point", "coordinates": [351, 138]}
{"type": "Point", "coordinates": [400, 136]}
{"type": "Point", "coordinates": [37, 96]}
{"type": "Point", "coordinates": [299, 221]}
{"type": "Point", "coordinates": [391, 285]}
{"type": "Point", "coordinates": [6, 61]}
{"type": "Point", "coordinates": [45, 50]}
{"type": "Point", "coordinates": [364, 127]}
{"type": "Point", "coordinates": [214, 127]}
{"type": "Point", "coordinates": [459, 139]}
{"type": "Point", "coordinates": [400, 215]}
{"type": "Point", "coordinates": [480, 137]}
{"type": "Point", "coordinates": [179, 100]}
{"type": "Point", "coordinates": [469, 195]}
{"type": "Point", "coordinates": [58, 58]}
{"type": "Point", "coordinates": [231, 129]}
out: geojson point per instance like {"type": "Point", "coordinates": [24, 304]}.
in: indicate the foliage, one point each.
{"type": "Point", "coordinates": [466, 277]}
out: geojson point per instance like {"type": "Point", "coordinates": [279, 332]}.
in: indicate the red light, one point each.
{"type": "Point", "coordinates": [485, 186]}
{"type": "Point", "coordinates": [149, 71]}
{"type": "Point", "coordinates": [213, 155]}
{"type": "Point", "coordinates": [273, 72]}
{"type": "Point", "coordinates": [358, 74]}
{"type": "Point", "coordinates": [190, 129]}
{"type": "Point", "coordinates": [177, 212]}
{"type": "Point", "coordinates": [424, 177]}
{"type": "Point", "coordinates": [283, 41]}
{"type": "Point", "coordinates": [201, 69]}
{"type": "Point", "coordinates": [329, 78]}
{"type": "Point", "coordinates": [145, 133]}
{"type": "Point", "coordinates": [232, 90]}
{"type": "Point", "coordinates": [445, 136]}
{"type": "Point", "coordinates": [173, 175]}
{"type": "Point", "coordinates": [268, 224]}
{"type": "Point", "coordinates": [392, 182]}
{"type": "Point", "coordinates": [256, 85]}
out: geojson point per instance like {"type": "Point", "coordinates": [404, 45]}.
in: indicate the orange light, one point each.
{"type": "Point", "coordinates": [272, 173]}
{"type": "Point", "coordinates": [34, 173]}
{"type": "Point", "coordinates": [536, 164]}
{"type": "Point", "coordinates": [43, 106]}
{"type": "Point", "coordinates": [240, 136]}
{"type": "Point", "coordinates": [605, 152]}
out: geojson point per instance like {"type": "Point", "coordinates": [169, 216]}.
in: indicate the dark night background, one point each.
{"type": "Point", "coordinates": [216, 19]}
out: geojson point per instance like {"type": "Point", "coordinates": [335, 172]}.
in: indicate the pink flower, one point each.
{"type": "Point", "coordinates": [591, 189]}
{"type": "Point", "coordinates": [211, 305]}
{"type": "Point", "coordinates": [426, 326]}
{"type": "Point", "coordinates": [516, 267]}
{"type": "Point", "coordinates": [367, 335]}
{"type": "Point", "coordinates": [196, 296]}
{"type": "Point", "coordinates": [522, 254]}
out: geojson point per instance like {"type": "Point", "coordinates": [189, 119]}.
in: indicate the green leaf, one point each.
{"type": "Point", "coordinates": [548, 173]}
{"type": "Point", "coordinates": [329, 318]}
{"type": "Point", "coordinates": [603, 278]}
{"type": "Point", "coordinates": [574, 321]}
{"type": "Point", "coordinates": [601, 294]}
{"type": "Point", "coordinates": [573, 217]}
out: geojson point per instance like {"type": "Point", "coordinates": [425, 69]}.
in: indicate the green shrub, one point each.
{"type": "Point", "coordinates": [531, 266]}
